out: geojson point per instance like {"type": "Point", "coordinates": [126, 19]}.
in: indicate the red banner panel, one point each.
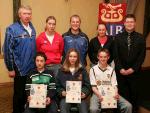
{"type": "Point", "coordinates": [113, 15]}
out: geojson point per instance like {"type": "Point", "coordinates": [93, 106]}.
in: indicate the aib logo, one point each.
{"type": "Point", "coordinates": [113, 16]}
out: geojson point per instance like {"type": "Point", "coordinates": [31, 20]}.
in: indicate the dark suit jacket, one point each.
{"type": "Point", "coordinates": [136, 55]}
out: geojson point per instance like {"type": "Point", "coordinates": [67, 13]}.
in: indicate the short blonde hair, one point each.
{"type": "Point", "coordinates": [24, 7]}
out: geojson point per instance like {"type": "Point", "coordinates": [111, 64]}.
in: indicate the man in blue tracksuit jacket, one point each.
{"type": "Point", "coordinates": [75, 38]}
{"type": "Point", "coordinates": [19, 51]}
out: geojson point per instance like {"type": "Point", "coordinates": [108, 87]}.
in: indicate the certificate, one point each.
{"type": "Point", "coordinates": [108, 92]}
{"type": "Point", "coordinates": [73, 91]}
{"type": "Point", "coordinates": [38, 94]}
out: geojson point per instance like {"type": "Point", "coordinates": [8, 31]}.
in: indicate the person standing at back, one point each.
{"type": "Point", "coordinates": [19, 52]}
{"type": "Point", "coordinates": [99, 42]}
{"type": "Point", "coordinates": [75, 38]}
{"type": "Point", "coordinates": [130, 50]}
{"type": "Point", "coordinates": [51, 43]}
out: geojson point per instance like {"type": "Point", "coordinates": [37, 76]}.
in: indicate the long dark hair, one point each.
{"type": "Point", "coordinates": [66, 64]}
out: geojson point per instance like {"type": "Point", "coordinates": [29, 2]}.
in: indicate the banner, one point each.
{"type": "Point", "coordinates": [112, 15]}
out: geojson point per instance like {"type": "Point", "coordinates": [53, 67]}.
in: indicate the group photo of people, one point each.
{"type": "Point", "coordinates": [70, 72]}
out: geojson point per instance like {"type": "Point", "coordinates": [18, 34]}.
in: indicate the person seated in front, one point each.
{"type": "Point", "coordinates": [72, 70]}
{"type": "Point", "coordinates": [41, 75]}
{"type": "Point", "coordinates": [103, 72]}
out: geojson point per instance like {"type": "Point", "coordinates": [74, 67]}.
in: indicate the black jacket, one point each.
{"type": "Point", "coordinates": [80, 75]}
{"type": "Point", "coordinates": [133, 58]}
{"type": "Point", "coordinates": [95, 45]}
{"type": "Point", "coordinates": [46, 77]}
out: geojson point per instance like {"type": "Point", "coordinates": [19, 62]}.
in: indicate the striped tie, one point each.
{"type": "Point", "coordinates": [129, 42]}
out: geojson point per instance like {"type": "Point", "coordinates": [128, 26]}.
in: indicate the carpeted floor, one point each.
{"type": "Point", "coordinates": [6, 93]}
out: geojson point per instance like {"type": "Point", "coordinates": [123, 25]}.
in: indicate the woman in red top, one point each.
{"type": "Point", "coordinates": [51, 43]}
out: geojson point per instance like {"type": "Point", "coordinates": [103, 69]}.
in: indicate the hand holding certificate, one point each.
{"type": "Point", "coordinates": [38, 94]}
{"type": "Point", "coordinates": [108, 92]}
{"type": "Point", "coordinates": [73, 92]}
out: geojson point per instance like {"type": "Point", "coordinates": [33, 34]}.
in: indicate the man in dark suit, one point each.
{"type": "Point", "coordinates": [130, 50]}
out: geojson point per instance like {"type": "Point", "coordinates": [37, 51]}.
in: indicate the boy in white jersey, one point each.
{"type": "Point", "coordinates": [100, 73]}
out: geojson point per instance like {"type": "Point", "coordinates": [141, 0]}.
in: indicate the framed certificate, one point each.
{"type": "Point", "coordinates": [38, 94]}
{"type": "Point", "coordinates": [108, 93]}
{"type": "Point", "coordinates": [73, 91]}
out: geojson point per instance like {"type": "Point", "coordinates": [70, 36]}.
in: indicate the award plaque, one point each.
{"type": "Point", "coordinates": [38, 94]}
{"type": "Point", "coordinates": [73, 92]}
{"type": "Point", "coordinates": [108, 92]}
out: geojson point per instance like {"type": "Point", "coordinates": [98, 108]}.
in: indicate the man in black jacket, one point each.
{"type": "Point", "coordinates": [130, 50]}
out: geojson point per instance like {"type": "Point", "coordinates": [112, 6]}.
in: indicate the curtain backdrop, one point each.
{"type": "Point", "coordinates": [147, 18]}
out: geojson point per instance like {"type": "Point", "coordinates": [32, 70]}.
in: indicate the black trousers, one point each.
{"type": "Point", "coordinates": [128, 88]}
{"type": "Point", "coordinates": [52, 108]}
{"type": "Point", "coordinates": [19, 97]}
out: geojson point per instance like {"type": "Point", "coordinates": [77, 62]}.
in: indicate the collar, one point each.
{"type": "Point", "coordinates": [26, 27]}
{"type": "Point", "coordinates": [103, 70]}
{"type": "Point", "coordinates": [21, 24]}
{"type": "Point", "coordinates": [131, 33]}
{"type": "Point", "coordinates": [36, 71]}
{"type": "Point", "coordinates": [70, 33]}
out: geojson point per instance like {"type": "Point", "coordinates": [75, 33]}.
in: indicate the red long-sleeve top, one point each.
{"type": "Point", "coordinates": [53, 51]}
